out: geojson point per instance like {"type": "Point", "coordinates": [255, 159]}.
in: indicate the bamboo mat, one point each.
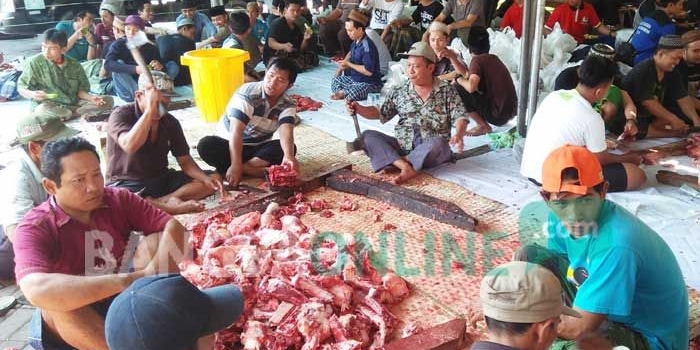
{"type": "Point", "coordinates": [444, 264]}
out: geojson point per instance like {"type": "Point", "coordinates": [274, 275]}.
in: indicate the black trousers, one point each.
{"type": "Point", "coordinates": [214, 151]}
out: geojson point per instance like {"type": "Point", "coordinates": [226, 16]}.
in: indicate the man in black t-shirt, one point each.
{"type": "Point", "coordinates": [411, 29]}
{"type": "Point", "coordinates": [171, 47]}
{"type": "Point", "coordinates": [689, 68]}
{"type": "Point", "coordinates": [287, 39]}
{"type": "Point", "coordinates": [655, 117]}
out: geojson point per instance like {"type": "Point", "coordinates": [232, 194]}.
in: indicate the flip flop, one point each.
{"type": "Point", "coordinates": [6, 304]}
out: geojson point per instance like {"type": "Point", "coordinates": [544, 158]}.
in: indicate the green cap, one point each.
{"type": "Point", "coordinates": [41, 126]}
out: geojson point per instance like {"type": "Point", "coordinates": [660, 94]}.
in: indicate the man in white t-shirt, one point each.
{"type": "Point", "coordinates": [567, 117]}
{"type": "Point", "coordinates": [383, 12]}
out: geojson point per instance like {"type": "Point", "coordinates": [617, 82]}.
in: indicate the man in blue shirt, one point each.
{"type": "Point", "coordinates": [81, 41]}
{"type": "Point", "coordinates": [189, 10]}
{"type": "Point", "coordinates": [361, 64]}
{"type": "Point", "coordinates": [258, 27]}
{"type": "Point", "coordinates": [618, 273]}
{"type": "Point", "coordinates": [659, 23]}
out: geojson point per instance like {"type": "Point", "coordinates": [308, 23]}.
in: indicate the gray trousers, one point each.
{"type": "Point", "coordinates": [383, 150]}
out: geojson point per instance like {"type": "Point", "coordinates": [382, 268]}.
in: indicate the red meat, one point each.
{"type": "Point", "coordinates": [282, 175]}
{"type": "Point", "coordinates": [288, 304]}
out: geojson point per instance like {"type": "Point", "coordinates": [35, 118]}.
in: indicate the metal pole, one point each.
{"type": "Point", "coordinates": [533, 93]}
{"type": "Point", "coordinates": [525, 58]}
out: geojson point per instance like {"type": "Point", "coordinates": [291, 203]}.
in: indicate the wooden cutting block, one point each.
{"type": "Point", "coordinates": [403, 198]}
{"type": "Point", "coordinates": [259, 201]}
{"type": "Point", "coordinates": [674, 179]}
{"type": "Point", "coordinates": [668, 150]}
{"type": "Point", "coordinates": [446, 336]}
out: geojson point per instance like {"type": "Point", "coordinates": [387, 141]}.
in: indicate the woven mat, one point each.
{"type": "Point", "coordinates": [419, 247]}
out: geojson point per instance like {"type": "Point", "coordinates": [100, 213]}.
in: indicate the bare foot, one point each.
{"type": "Point", "coordinates": [176, 206]}
{"type": "Point", "coordinates": [479, 130]}
{"type": "Point", "coordinates": [405, 175]}
{"type": "Point", "coordinates": [390, 169]}
{"type": "Point", "coordinates": [339, 95]}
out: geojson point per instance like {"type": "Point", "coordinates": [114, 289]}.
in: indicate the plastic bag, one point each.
{"type": "Point", "coordinates": [395, 75]}
{"type": "Point", "coordinates": [550, 72]}
{"type": "Point", "coordinates": [507, 47]}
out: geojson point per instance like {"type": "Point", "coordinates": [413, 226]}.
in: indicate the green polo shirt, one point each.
{"type": "Point", "coordinates": [79, 50]}
{"type": "Point", "coordinates": [66, 81]}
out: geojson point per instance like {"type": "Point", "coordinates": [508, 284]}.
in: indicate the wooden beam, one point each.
{"type": "Point", "coordinates": [668, 150]}
{"type": "Point", "coordinates": [401, 197]}
{"type": "Point", "coordinates": [450, 335]}
{"type": "Point", "coordinates": [674, 179]}
{"type": "Point", "coordinates": [258, 201]}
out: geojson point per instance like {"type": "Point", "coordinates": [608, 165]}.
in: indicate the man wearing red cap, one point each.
{"type": "Point", "coordinates": [617, 272]}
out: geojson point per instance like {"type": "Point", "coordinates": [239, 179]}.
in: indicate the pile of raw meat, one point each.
{"type": "Point", "coordinates": [306, 103]}
{"type": "Point", "coordinates": [282, 175]}
{"type": "Point", "coordinates": [694, 148]}
{"type": "Point", "coordinates": [296, 297]}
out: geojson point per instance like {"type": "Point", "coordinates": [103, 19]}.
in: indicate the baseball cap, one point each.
{"type": "Point", "coordinates": [420, 49]}
{"type": "Point", "coordinates": [670, 42]}
{"type": "Point", "coordinates": [439, 27]}
{"type": "Point", "coordinates": [161, 81]}
{"type": "Point", "coordinates": [183, 21]}
{"type": "Point", "coordinates": [135, 20]}
{"type": "Point", "coordinates": [169, 313]}
{"type": "Point", "coordinates": [522, 292]}
{"type": "Point", "coordinates": [590, 173]}
{"type": "Point", "coordinates": [41, 126]}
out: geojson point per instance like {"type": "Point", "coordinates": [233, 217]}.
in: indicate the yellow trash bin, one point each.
{"type": "Point", "coordinates": [216, 74]}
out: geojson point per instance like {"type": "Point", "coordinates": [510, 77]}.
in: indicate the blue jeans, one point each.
{"type": "Point", "coordinates": [41, 338]}
{"type": "Point", "coordinates": [124, 85]}
{"type": "Point", "coordinates": [172, 69]}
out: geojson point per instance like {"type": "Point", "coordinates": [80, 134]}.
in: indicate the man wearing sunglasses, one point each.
{"type": "Point", "coordinates": [615, 271]}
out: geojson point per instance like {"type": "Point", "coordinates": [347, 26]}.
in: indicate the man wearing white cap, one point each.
{"type": "Point", "coordinates": [522, 306]}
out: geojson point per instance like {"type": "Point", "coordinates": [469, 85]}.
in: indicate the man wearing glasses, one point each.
{"type": "Point", "coordinates": [617, 272]}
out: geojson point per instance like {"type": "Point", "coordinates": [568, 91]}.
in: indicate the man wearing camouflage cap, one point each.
{"type": "Point", "coordinates": [427, 110]}
{"type": "Point", "coordinates": [22, 178]}
{"type": "Point", "coordinates": [141, 134]}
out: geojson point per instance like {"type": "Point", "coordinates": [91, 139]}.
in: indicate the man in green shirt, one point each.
{"type": "Point", "coordinates": [57, 84]}
{"type": "Point", "coordinates": [82, 44]}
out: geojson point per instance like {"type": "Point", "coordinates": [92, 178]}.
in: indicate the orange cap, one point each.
{"type": "Point", "coordinates": [590, 173]}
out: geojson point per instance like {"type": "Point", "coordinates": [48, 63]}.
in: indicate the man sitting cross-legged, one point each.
{"type": "Point", "coordinates": [427, 109]}
{"type": "Point", "coordinates": [140, 136]}
{"type": "Point", "coordinates": [244, 145]}
{"type": "Point", "coordinates": [665, 109]}
{"type": "Point", "coordinates": [69, 249]}
{"type": "Point", "coordinates": [56, 84]}
{"type": "Point", "coordinates": [362, 63]}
